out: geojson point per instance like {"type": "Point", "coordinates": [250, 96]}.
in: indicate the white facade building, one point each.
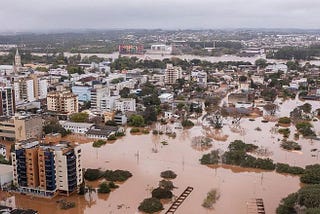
{"type": "Point", "coordinates": [79, 128]}
{"type": "Point", "coordinates": [125, 104]}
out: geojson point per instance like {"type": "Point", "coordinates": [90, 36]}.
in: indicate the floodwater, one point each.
{"type": "Point", "coordinates": [236, 186]}
{"type": "Point", "coordinates": [223, 58]}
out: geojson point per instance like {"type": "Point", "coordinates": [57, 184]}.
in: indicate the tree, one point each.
{"type": "Point", "coordinates": [124, 93]}
{"type": "Point", "coordinates": [160, 193]}
{"type": "Point", "coordinates": [150, 115]}
{"type": "Point", "coordinates": [79, 117]}
{"type": "Point", "coordinates": [311, 174]}
{"type": "Point", "coordinates": [168, 174]}
{"type": "Point", "coordinates": [104, 188]}
{"type": "Point", "coordinates": [262, 63]}
{"type": "Point", "coordinates": [136, 121]}
{"type": "Point", "coordinates": [271, 108]}
{"type": "Point", "coordinates": [150, 205]}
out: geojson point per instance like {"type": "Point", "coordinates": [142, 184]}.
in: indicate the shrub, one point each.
{"type": "Point", "coordinates": [65, 205]}
{"type": "Point", "coordinates": [136, 121]}
{"type": "Point", "coordinates": [165, 184]}
{"type": "Point", "coordinates": [112, 137]}
{"type": "Point", "coordinates": [160, 193]}
{"type": "Point", "coordinates": [145, 131]}
{"type": "Point", "coordinates": [307, 199]}
{"type": "Point", "coordinates": [112, 185]}
{"type": "Point", "coordinates": [284, 120]}
{"type": "Point", "coordinates": [155, 132]}
{"type": "Point", "coordinates": [210, 158]}
{"type": "Point", "coordinates": [187, 123]}
{"type": "Point", "coordinates": [311, 174]}
{"type": "Point", "coordinates": [134, 130]}
{"type": "Point", "coordinates": [164, 143]}
{"type": "Point", "coordinates": [104, 188]}
{"type": "Point", "coordinates": [258, 129]}
{"type": "Point", "coordinates": [212, 197]}
{"type": "Point", "coordinates": [285, 132]}
{"type": "Point", "coordinates": [120, 134]}
{"type": "Point", "coordinates": [305, 129]}
{"type": "Point", "coordinates": [117, 175]}
{"type": "Point", "coordinates": [93, 174]}
{"type": "Point", "coordinates": [290, 145]}
{"type": "Point", "coordinates": [98, 143]}
{"type": "Point", "coordinates": [168, 174]}
{"type": "Point", "coordinates": [150, 205]}
{"type": "Point", "coordinates": [239, 145]}
{"type": "Point", "coordinates": [286, 168]}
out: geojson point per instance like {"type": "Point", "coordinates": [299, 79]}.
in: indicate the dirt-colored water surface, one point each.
{"type": "Point", "coordinates": [236, 186]}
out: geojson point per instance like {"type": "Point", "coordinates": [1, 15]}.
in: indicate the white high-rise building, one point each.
{"type": "Point", "coordinates": [125, 104]}
{"type": "Point", "coordinates": [172, 73]}
{"type": "Point", "coordinates": [98, 96]}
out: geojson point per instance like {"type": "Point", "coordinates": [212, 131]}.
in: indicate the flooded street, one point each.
{"type": "Point", "coordinates": [236, 185]}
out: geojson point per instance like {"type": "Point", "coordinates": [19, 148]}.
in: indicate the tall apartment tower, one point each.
{"type": "Point", "coordinates": [7, 101]}
{"type": "Point", "coordinates": [172, 73]}
{"type": "Point", "coordinates": [46, 170]}
{"type": "Point", "coordinates": [63, 102]}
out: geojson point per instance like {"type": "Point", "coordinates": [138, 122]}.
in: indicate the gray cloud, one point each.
{"type": "Point", "coordinates": [20, 15]}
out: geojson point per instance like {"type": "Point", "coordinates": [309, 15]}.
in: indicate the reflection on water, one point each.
{"type": "Point", "coordinates": [236, 185]}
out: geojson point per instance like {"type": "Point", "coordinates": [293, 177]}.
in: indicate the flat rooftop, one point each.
{"type": "Point", "coordinates": [5, 169]}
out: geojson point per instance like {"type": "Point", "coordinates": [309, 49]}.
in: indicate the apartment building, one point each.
{"type": "Point", "coordinates": [98, 96]}
{"type": "Point", "coordinates": [63, 102]}
{"type": "Point", "coordinates": [125, 104]}
{"type": "Point", "coordinates": [7, 101]}
{"type": "Point", "coordinates": [46, 171]}
{"type": "Point", "coordinates": [172, 73]}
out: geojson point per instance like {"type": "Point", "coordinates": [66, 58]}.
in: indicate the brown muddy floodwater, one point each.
{"type": "Point", "coordinates": [236, 185]}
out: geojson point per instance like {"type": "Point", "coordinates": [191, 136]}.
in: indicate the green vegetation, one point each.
{"type": "Point", "coordinates": [165, 143]}
{"type": "Point", "coordinates": [112, 137]}
{"type": "Point", "coordinates": [212, 197]}
{"type": "Point", "coordinates": [53, 126]}
{"type": "Point", "coordinates": [311, 174]}
{"type": "Point", "coordinates": [155, 132]}
{"type": "Point", "coordinates": [134, 130]}
{"type": "Point", "coordinates": [284, 120]}
{"type": "Point", "coordinates": [286, 168]}
{"type": "Point", "coordinates": [3, 160]}
{"type": "Point", "coordinates": [168, 174]}
{"type": "Point", "coordinates": [285, 132]}
{"type": "Point", "coordinates": [93, 174]}
{"type": "Point", "coordinates": [79, 117]}
{"type": "Point", "coordinates": [98, 143]}
{"type": "Point", "coordinates": [237, 155]}
{"type": "Point", "coordinates": [187, 123]}
{"type": "Point", "coordinates": [165, 184]}
{"type": "Point", "coordinates": [210, 158]}
{"type": "Point", "coordinates": [150, 205]}
{"type": "Point", "coordinates": [110, 175]}
{"type": "Point", "coordinates": [104, 188]}
{"type": "Point", "coordinates": [305, 129]}
{"type": "Point", "coordinates": [299, 53]}
{"type": "Point", "coordinates": [290, 145]}
{"type": "Point", "coordinates": [117, 175]}
{"type": "Point", "coordinates": [262, 63]}
{"type": "Point", "coordinates": [136, 121]}
{"type": "Point", "coordinates": [65, 205]}
{"type": "Point", "coordinates": [161, 193]}
{"type": "Point", "coordinates": [307, 199]}
{"type": "Point", "coordinates": [145, 131]}
{"type": "Point", "coordinates": [240, 145]}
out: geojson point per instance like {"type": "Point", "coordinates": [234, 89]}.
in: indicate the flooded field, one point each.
{"type": "Point", "coordinates": [236, 186]}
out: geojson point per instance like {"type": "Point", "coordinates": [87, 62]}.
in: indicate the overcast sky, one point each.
{"type": "Point", "coordinates": [26, 15]}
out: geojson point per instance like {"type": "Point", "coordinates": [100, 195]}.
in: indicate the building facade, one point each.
{"type": "Point", "coordinates": [7, 101]}
{"type": "Point", "coordinates": [172, 73]}
{"type": "Point", "coordinates": [63, 102]}
{"type": "Point", "coordinates": [46, 170]}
